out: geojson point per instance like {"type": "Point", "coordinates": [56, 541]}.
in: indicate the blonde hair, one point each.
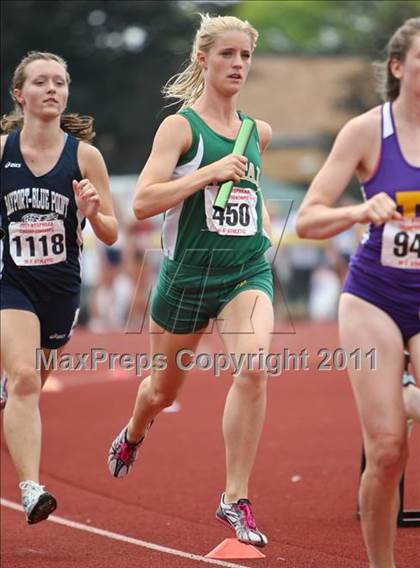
{"type": "Point", "coordinates": [188, 85]}
{"type": "Point", "coordinates": [388, 86]}
{"type": "Point", "coordinates": [79, 126]}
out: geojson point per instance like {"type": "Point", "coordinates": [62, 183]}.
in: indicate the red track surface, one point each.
{"type": "Point", "coordinates": [169, 499]}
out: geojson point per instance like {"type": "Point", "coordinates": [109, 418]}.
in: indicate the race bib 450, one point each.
{"type": "Point", "coordinates": [239, 219]}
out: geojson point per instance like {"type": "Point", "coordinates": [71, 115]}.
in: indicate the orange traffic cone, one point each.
{"type": "Point", "coordinates": [232, 548]}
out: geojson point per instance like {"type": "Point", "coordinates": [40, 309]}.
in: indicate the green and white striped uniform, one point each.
{"type": "Point", "coordinates": [195, 237]}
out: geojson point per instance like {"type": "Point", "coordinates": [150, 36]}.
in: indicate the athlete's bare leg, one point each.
{"type": "Point", "coordinates": [161, 387]}
{"type": "Point", "coordinates": [379, 401]}
{"type": "Point", "coordinates": [412, 392]}
{"type": "Point", "coordinates": [20, 337]}
{"type": "Point", "coordinates": [245, 326]}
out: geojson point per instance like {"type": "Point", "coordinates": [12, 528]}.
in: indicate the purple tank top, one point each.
{"type": "Point", "coordinates": [393, 250]}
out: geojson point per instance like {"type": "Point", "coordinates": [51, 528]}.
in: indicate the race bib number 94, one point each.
{"type": "Point", "coordinates": [37, 243]}
{"type": "Point", "coordinates": [401, 243]}
{"type": "Point", "coordinates": [239, 219]}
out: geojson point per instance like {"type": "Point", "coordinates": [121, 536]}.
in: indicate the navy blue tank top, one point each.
{"type": "Point", "coordinates": [42, 226]}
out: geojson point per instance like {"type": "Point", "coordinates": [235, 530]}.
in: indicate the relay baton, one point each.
{"type": "Point", "coordinates": [239, 148]}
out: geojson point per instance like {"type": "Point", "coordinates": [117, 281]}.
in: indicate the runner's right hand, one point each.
{"type": "Point", "coordinates": [231, 167]}
{"type": "Point", "coordinates": [377, 210]}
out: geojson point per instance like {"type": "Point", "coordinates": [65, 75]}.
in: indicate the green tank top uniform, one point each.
{"type": "Point", "coordinates": [209, 255]}
{"type": "Point", "coordinates": [193, 233]}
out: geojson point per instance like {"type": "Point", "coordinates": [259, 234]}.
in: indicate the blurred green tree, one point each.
{"type": "Point", "coordinates": [357, 27]}
{"type": "Point", "coordinates": [120, 53]}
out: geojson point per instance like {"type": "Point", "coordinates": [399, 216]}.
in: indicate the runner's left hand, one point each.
{"type": "Point", "coordinates": [87, 198]}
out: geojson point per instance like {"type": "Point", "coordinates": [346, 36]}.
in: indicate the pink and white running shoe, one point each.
{"type": "Point", "coordinates": [240, 518]}
{"type": "Point", "coordinates": [122, 453]}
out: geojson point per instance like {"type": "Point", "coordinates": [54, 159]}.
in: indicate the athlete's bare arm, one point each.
{"type": "Point", "coordinates": [155, 191]}
{"type": "Point", "coordinates": [3, 139]}
{"type": "Point", "coordinates": [352, 153]}
{"type": "Point", "coordinates": [95, 187]}
{"type": "Point", "coordinates": [264, 134]}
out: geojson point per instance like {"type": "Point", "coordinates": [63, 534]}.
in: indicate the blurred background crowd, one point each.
{"type": "Point", "coordinates": [311, 73]}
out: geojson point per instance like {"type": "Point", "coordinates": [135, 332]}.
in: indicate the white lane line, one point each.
{"type": "Point", "coordinates": [126, 539]}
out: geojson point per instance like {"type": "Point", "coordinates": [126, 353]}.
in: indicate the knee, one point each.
{"type": "Point", "coordinates": [252, 381]}
{"type": "Point", "coordinates": [24, 382]}
{"type": "Point", "coordinates": [388, 456]}
{"type": "Point", "coordinates": [160, 398]}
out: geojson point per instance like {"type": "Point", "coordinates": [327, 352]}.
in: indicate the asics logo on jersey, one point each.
{"type": "Point", "coordinates": [12, 165]}
{"type": "Point", "coordinates": [57, 336]}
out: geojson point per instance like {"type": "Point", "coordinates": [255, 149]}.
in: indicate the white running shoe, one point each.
{"type": "Point", "coordinates": [36, 502]}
